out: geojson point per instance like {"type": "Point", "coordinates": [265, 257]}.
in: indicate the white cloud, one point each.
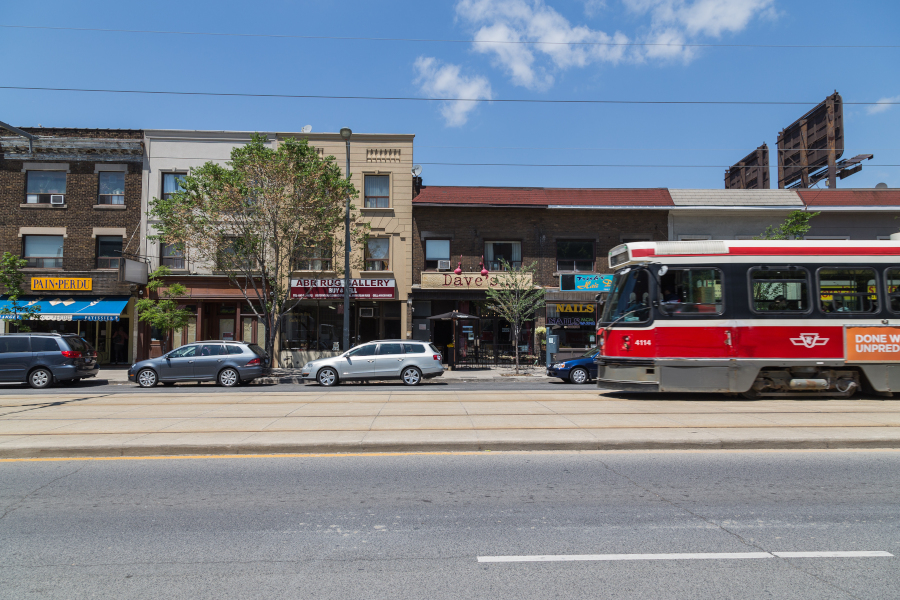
{"type": "Point", "coordinates": [521, 20]}
{"type": "Point", "coordinates": [444, 80]}
{"type": "Point", "coordinates": [882, 105]}
{"type": "Point", "coordinates": [672, 21]}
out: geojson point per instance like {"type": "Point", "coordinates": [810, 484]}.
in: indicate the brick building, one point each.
{"type": "Point", "coordinates": [70, 201]}
{"type": "Point", "coordinates": [562, 231]}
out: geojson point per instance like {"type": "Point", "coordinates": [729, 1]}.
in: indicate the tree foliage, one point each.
{"type": "Point", "coordinates": [515, 298]}
{"type": "Point", "coordinates": [13, 279]}
{"type": "Point", "coordinates": [793, 228]}
{"type": "Point", "coordinates": [251, 218]}
{"type": "Point", "coordinates": [164, 313]}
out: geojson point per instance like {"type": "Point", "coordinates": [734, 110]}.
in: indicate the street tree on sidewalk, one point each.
{"type": "Point", "coordinates": [515, 298]}
{"type": "Point", "coordinates": [259, 215]}
{"type": "Point", "coordinates": [12, 279]}
{"type": "Point", "coordinates": [164, 313]}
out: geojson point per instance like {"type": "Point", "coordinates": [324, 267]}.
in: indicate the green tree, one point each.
{"type": "Point", "coordinates": [515, 298]}
{"type": "Point", "coordinates": [12, 279]}
{"type": "Point", "coordinates": [253, 217]}
{"type": "Point", "coordinates": [793, 228]}
{"type": "Point", "coordinates": [164, 313]}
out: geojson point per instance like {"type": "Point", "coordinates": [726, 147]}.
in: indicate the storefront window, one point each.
{"type": "Point", "coordinates": [312, 325]}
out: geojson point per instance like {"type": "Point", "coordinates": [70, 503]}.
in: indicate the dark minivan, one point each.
{"type": "Point", "coordinates": [42, 359]}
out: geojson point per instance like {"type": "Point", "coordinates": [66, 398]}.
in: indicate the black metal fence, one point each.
{"type": "Point", "coordinates": [495, 356]}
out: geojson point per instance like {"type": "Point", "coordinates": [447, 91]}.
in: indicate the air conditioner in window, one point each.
{"type": "Point", "coordinates": [57, 199]}
{"type": "Point", "coordinates": [366, 312]}
{"type": "Point", "coordinates": [443, 265]}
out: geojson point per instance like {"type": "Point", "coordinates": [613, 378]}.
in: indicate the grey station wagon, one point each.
{"type": "Point", "coordinates": [42, 359]}
{"type": "Point", "coordinates": [407, 360]}
{"type": "Point", "coordinates": [225, 362]}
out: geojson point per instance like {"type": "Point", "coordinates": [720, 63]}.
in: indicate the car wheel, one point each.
{"type": "Point", "coordinates": [40, 379]}
{"type": "Point", "coordinates": [327, 377]}
{"type": "Point", "coordinates": [411, 376]}
{"type": "Point", "coordinates": [579, 376]}
{"type": "Point", "coordinates": [147, 378]}
{"type": "Point", "coordinates": [229, 377]}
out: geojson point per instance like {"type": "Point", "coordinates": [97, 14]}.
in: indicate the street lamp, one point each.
{"type": "Point", "coordinates": [345, 134]}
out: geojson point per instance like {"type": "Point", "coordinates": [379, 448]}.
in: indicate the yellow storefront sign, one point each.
{"type": "Point", "coordinates": [61, 284]}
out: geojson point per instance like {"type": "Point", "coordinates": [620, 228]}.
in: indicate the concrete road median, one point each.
{"type": "Point", "coordinates": [265, 421]}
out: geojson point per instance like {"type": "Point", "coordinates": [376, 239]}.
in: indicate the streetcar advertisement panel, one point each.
{"type": "Point", "coordinates": [872, 343]}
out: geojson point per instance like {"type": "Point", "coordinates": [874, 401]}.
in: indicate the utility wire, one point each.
{"type": "Point", "coordinates": [420, 99]}
{"type": "Point", "coordinates": [449, 41]}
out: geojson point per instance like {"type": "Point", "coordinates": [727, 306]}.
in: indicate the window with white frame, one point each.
{"type": "Point", "coordinates": [43, 184]}
{"type": "Point", "coordinates": [171, 184]}
{"type": "Point", "coordinates": [378, 191]}
{"type": "Point", "coordinates": [378, 251]}
{"type": "Point", "coordinates": [436, 250]}
{"type": "Point", "coordinates": [498, 253]}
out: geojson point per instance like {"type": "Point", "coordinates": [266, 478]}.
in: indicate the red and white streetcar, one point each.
{"type": "Point", "coordinates": [758, 318]}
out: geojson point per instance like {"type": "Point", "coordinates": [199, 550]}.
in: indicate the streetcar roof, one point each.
{"type": "Point", "coordinates": [727, 251]}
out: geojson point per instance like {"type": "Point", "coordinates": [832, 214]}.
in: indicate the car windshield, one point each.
{"type": "Point", "coordinates": [629, 300]}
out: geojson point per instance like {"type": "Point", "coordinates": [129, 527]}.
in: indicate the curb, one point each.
{"type": "Point", "coordinates": [487, 446]}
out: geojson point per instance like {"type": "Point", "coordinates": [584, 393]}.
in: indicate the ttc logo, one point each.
{"type": "Point", "coordinates": [809, 340]}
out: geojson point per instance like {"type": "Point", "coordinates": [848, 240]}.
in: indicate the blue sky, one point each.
{"type": "Point", "coordinates": [486, 132]}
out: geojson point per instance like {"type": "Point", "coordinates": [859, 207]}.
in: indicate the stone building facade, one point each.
{"type": "Point", "coordinates": [70, 204]}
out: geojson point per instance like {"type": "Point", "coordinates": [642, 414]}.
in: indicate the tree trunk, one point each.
{"type": "Point", "coordinates": [516, 347]}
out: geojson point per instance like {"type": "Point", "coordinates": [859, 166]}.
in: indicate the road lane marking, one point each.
{"type": "Point", "coordinates": [681, 556]}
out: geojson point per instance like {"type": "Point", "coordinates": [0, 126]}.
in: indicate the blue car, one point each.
{"type": "Point", "coordinates": [576, 370]}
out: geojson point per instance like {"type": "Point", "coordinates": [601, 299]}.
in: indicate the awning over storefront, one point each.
{"type": "Point", "coordinates": [71, 308]}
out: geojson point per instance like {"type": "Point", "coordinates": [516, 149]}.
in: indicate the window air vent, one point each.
{"type": "Point", "coordinates": [57, 199]}
{"type": "Point", "coordinates": [443, 265]}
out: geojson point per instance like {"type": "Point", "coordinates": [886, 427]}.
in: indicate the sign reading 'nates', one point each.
{"type": "Point", "coordinates": [327, 289]}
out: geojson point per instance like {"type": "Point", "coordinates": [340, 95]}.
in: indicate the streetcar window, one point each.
{"type": "Point", "coordinates": [629, 300]}
{"type": "Point", "coordinates": [847, 290]}
{"type": "Point", "coordinates": [892, 281]}
{"type": "Point", "coordinates": [780, 290]}
{"type": "Point", "coordinates": [691, 291]}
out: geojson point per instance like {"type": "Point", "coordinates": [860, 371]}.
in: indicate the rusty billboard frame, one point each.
{"type": "Point", "coordinates": [812, 143]}
{"type": "Point", "coordinates": [751, 172]}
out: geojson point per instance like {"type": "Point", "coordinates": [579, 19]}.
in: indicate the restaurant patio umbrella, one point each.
{"type": "Point", "coordinates": [454, 316]}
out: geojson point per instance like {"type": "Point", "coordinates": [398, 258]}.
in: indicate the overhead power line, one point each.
{"type": "Point", "coordinates": [446, 40]}
{"type": "Point", "coordinates": [420, 99]}
{"type": "Point", "coordinates": [626, 166]}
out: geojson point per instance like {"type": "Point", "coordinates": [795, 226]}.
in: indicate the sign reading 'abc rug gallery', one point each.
{"type": "Point", "coordinates": [362, 289]}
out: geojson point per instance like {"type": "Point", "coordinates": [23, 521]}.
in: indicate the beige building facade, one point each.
{"type": "Point", "coordinates": [380, 166]}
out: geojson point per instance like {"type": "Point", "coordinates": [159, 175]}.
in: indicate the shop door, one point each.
{"type": "Point", "coordinates": [226, 328]}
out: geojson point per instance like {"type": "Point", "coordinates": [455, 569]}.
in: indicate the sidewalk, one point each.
{"type": "Point", "coordinates": [120, 375]}
{"type": "Point", "coordinates": [263, 420]}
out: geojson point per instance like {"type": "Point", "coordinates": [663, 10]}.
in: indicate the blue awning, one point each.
{"type": "Point", "coordinates": [71, 308]}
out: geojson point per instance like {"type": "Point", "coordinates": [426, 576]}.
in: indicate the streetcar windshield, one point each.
{"type": "Point", "coordinates": [629, 300]}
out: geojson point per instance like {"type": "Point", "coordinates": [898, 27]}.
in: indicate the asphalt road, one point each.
{"type": "Point", "coordinates": [414, 526]}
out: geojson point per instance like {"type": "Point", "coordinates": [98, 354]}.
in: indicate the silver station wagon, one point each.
{"type": "Point", "coordinates": [408, 360]}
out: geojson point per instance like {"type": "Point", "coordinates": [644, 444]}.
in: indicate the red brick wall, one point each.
{"type": "Point", "coordinates": [537, 228]}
